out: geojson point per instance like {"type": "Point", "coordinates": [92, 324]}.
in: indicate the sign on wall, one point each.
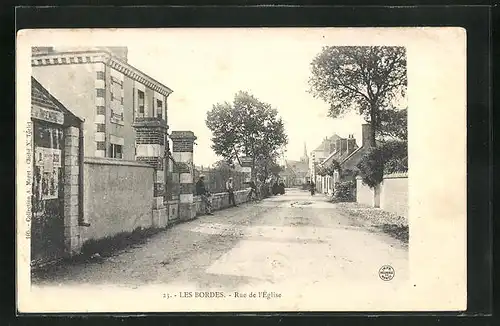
{"type": "Point", "coordinates": [248, 173]}
{"type": "Point", "coordinates": [246, 161]}
{"type": "Point", "coordinates": [48, 160]}
{"type": "Point", "coordinates": [47, 115]}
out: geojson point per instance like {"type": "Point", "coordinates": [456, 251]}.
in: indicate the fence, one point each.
{"type": "Point", "coordinates": [172, 188]}
{"type": "Point", "coordinates": [215, 179]}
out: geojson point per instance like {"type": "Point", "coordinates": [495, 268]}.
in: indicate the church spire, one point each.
{"type": "Point", "coordinates": [305, 157]}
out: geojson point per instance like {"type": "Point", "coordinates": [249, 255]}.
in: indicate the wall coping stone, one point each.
{"type": "Point", "coordinates": [398, 175]}
{"type": "Point", "coordinates": [114, 161]}
{"type": "Point", "coordinates": [220, 194]}
{"type": "Point", "coordinates": [149, 122]}
{"type": "Point", "coordinates": [172, 202]}
{"type": "Point", "coordinates": [105, 57]}
{"type": "Point", "coordinates": [182, 135]}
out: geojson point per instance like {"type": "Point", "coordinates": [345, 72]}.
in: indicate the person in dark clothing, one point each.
{"type": "Point", "coordinates": [275, 188]}
{"type": "Point", "coordinates": [204, 194]}
{"type": "Point", "coordinates": [230, 189]}
{"type": "Point", "coordinates": [282, 187]}
{"type": "Point", "coordinates": [312, 188]}
{"type": "Point", "coordinates": [253, 191]}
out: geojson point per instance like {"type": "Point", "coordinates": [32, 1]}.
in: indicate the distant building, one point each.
{"type": "Point", "coordinates": [320, 153]}
{"type": "Point", "coordinates": [104, 90]}
{"type": "Point", "coordinates": [343, 148]}
{"type": "Point", "coordinates": [347, 154]}
{"type": "Point", "coordinates": [296, 173]}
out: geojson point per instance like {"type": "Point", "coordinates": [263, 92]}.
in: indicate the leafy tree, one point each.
{"type": "Point", "coordinates": [367, 79]}
{"type": "Point", "coordinates": [247, 127]}
{"type": "Point", "coordinates": [393, 124]}
{"type": "Point", "coordinates": [391, 157]}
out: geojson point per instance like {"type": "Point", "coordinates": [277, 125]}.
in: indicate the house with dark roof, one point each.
{"type": "Point", "coordinates": [343, 148]}
{"type": "Point", "coordinates": [348, 155]}
{"type": "Point", "coordinates": [351, 161]}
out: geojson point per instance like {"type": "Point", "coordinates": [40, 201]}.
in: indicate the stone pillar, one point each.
{"type": "Point", "coordinates": [71, 200]}
{"type": "Point", "coordinates": [182, 152]}
{"type": "Point", "coordinates": [150, 149]}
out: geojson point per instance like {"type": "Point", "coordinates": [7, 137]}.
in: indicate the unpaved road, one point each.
{"type": "Point", "coordinates": [290, 241]}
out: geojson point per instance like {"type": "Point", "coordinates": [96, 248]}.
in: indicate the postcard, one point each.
{"type": "Point", "coordinates": [241, 170]}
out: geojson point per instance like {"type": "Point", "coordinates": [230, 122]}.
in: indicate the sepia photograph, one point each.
{"type": "Point", "coordinates": [260, 169]}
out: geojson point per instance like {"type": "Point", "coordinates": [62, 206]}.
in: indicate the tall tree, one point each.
{"type": "Point", "coordinates": [247, 127]}
{"type": "Point", "coordinates": [362, 78]}
{"type": "Point", "coordinates": [393, 124]}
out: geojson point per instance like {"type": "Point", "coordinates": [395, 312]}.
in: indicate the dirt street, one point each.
{"type": "Point", "coordinates": [291, 240]}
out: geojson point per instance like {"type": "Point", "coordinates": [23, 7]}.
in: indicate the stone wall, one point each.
{"type": "Point", "coordinates": [394, 194]}
{"type": "Point", "coordinates": [221, 200]}
{"type": "Point", "coordinates": [364, 194]}
{"type": "Point", "coordinates": [391, 195]}
{"type": "Point", "coordinates": [118, 197]}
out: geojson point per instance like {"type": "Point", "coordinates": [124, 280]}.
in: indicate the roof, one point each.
{"type": "Point", "coordinates": [333, 155]}
{"type": "Point", "coordinates": [357, 154]}
{"type": "Point", "coordinates": [90, 56]}
{"type": "Point", "coordinates": [41, 97]}
{"type": "Point", "coordinates": [325, 144]}
{"type": "Point", "coordinates": [297, 166]}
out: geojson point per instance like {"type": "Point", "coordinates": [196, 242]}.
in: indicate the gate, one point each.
{"type": "Point", "coordinates": [47, 228]}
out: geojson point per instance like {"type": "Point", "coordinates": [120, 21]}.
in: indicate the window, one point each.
{"type": "Point", "coordinates": [140, 94]}
{"type": "Point", "coordinates": [100, 75]}
{"type": "Point", "coordinates": [116, 151]}
{"type": "Point", "coordinates": [159, 109]}
{"type": "Point", "coordinates": [121, 100]}
{"type": "Point", "coordinates": [101, 110]}
{"type": "Point", "coordinates": [100, 92]}
{"type": "Point", "coordinates": [101, 127]}
{"type": "Point", "coordinates": [101, 146]}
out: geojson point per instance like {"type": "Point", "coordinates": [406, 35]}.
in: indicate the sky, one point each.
{"type": "Point", "coordinates": [203, 69]}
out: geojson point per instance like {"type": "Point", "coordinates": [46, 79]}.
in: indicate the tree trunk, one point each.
{"type": "Point", "coordinates": [373, 122]}
{"type": "Point", "coordinates": [252, 172]}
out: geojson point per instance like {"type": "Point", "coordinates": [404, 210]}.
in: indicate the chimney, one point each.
{"type": "Point", "coordinates": [338, 144]}
{"type": "Point", "coordinates": [343, 145]}
{"type": "Point", "coordinates": [366, 135]}
{"type": "Point", "coordinates": [351, 144]}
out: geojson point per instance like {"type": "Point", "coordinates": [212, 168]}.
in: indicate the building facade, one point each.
{"type": "Point", "coordinates": [106, 92]}
{"type": "Point", "coordinates": [55, 165]}
{"type": "Point", "coordinates": [320, 153]}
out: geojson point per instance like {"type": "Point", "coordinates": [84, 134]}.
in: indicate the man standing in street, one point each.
{"type": "Point", "coordinates": [230, 189]}
{"type": "Point", "coordinates": [202, 191]}
{"type": "Point", "coordinates": [253, 191]}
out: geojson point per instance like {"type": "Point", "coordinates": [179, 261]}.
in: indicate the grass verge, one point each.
{"type": "Point", "coordinates": [96, 250]}
{"type": "Point", "coordinates": [394, 225]}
